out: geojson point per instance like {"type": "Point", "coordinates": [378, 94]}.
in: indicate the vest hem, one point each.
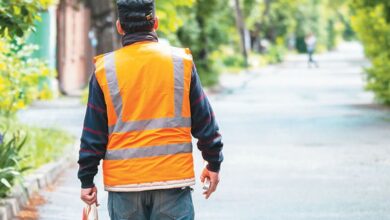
{"type": "Point", "coordinates": [151, 186]}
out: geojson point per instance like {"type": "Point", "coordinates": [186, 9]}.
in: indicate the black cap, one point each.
{"type": "Point", "coordinates": [136, 10]}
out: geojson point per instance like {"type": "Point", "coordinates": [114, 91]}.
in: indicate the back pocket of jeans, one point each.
{"type": "Point", "coordinates": [177, 204]}
{"type": "Point", "coordinates": [123, 205]}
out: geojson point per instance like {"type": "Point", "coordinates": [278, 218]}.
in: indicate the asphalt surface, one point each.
{"type": "Point", "coordinates": [300, 144]}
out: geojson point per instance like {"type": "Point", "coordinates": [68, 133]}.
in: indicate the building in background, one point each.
{"type": "Point", "coordinates": [74, 49]}
{"type": "Point", "coordinates": [70, 34]}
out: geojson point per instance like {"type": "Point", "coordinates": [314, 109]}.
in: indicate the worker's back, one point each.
{"type": "Point", "coordinates": [146, 87]}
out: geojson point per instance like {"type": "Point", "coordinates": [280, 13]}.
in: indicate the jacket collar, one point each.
{"type": "Point", "coordinates": [129, 39]}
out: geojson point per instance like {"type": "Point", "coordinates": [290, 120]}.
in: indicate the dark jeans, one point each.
{"type": "Point", "coordinates": [311, 58]}
{"type": "Point", "coordinates": [154, 205]}
{"type": "Point", "coordinates": [311, 53]}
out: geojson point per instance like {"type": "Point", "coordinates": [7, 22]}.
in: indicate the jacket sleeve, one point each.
{"type": "Point", "coordinates": [94, 138]}
{"type": "Point", "coordinates": [204, 125]}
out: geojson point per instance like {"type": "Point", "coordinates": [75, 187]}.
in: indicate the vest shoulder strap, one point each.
{"type": "Point", "coordinates": [98, 58]}
{"type": "Point", "coordinates": [184, 53]}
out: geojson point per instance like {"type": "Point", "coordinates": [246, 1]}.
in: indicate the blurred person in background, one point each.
{"type": "Point", "coordinates": [311, 43]}
{"type": "Point", "coordinates": [145, 104]}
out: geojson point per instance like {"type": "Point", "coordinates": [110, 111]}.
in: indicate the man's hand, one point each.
{"type": "Point", "coordinates": [89, 196]}
{"type": "Point", "coordinates": [213, 177]}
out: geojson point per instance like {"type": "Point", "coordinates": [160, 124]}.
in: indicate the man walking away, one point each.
{"type": "Point", "coordinates": [145, 101]}
{"type": "Point", "coordinates": [311, 43]}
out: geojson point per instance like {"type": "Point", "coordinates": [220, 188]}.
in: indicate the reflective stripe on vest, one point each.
{"type": "Point", "coordinates": [133, 153]}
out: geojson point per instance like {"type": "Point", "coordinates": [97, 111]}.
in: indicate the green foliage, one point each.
{"type": "Point", "coordinates": [208, 26]}
{"type": "Point", "coordinates": [18, 16]}
{"type": "Point", "coordinates": [372, 4]}
{"type": "Point", "coordinates": [196, 25]}
{"type": "Point", "coordinates": [373, 28]}
{"type": "Point", "coordinates": [327, 19]}
{"type": "Point", "coordinates": [10, 160]}
{"type": "Point", "coordinates": [45, 145]}
{"type": "Point", "coordinates": [271, 19]}
{"type": "Point", "coordinates": [41, 145]}
{"type": "Point", "coordinates": [169, 13]}
{"type": "Point", "coordinates": [233, 61]}
{"type": "Point", "coordinates": [206, 30]}
{"type": "Point", "coordinates": [24, 148]}
{"type": "Point", "coordinates": [22, 79]}
{"type": "Point", "coordinates": [226, 59]}
{"type": "Point", "coordinates": [275, 54]}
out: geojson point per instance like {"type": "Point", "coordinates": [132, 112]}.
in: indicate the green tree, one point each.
{"type": "Point", "coordinates": [372, 4]}
{"type": "Point", "coordinates": [206, 30]}
{"type": "Point", "coordinates": [18, 16]}
{"type": "Point", "coordinates": [275, 20]}
{"type": "Point", "coordinates": [171, 15]}
{"type": "Point", "coordinates": [372, 24]}
{"type": "Point", "coordinates": [22, 79]}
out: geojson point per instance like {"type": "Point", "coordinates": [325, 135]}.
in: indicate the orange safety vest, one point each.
{"type": "Point", "coordinates": [146, 88]}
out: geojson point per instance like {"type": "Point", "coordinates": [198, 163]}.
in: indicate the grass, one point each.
{"type": "Point", "coordinates": [42, 145]}
{"type": "Point", "coordinates": [45, 145]}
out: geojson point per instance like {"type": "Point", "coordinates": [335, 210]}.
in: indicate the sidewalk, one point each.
{"type": "Point", "coordinates": [67, 113]}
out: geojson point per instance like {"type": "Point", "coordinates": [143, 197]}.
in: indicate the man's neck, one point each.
{"type": "Point", "coordinates": [132, 38]}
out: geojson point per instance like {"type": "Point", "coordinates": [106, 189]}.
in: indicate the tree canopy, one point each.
{"type": "Point", "coordinates": [209, 26]}
{"type": "Point", "coordinates": [18, 16]}
{"type": "Point", "coordinates": [372, 24]}
{"type": "Point", "coordinates": [22, 79]}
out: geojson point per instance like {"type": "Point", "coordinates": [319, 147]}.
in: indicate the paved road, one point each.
{"type": "Point", "coordinates": [300, 144]}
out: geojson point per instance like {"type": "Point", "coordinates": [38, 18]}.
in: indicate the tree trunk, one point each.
{"type": "Point", "coordinates": [104, 16]}
{"type": "Point", "coordinates": [242, 30]}
{"type": "Point", "coordinates": [259, 26]}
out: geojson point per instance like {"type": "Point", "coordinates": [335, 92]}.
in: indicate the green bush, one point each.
{"type": "Point", "coordinates": [373, 28]}
{"type": "Point", "coordinates": [18, 16]}
{"type": "Point", "coordinates": [24, 149]}
{"type": "Point", "coordinates": [236, 60]}
{"type": "Point", "coordinates": [208, 72]}
{"type": "Point", "coordinates": [379, 78]}
{"type": "Point", "coordinates": [11, 160]}
{"type": "Point", "coordinates": [275, 54]}
{"type": "Point", "coordinates": [45, 145]}
{"type": "Point", "coordinates": [22, 78]}
{"type": "Point", "coordinates": [42, 145]}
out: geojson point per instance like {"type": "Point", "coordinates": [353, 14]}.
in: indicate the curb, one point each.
{"type": "Point", "coordinates": [32, 184]}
